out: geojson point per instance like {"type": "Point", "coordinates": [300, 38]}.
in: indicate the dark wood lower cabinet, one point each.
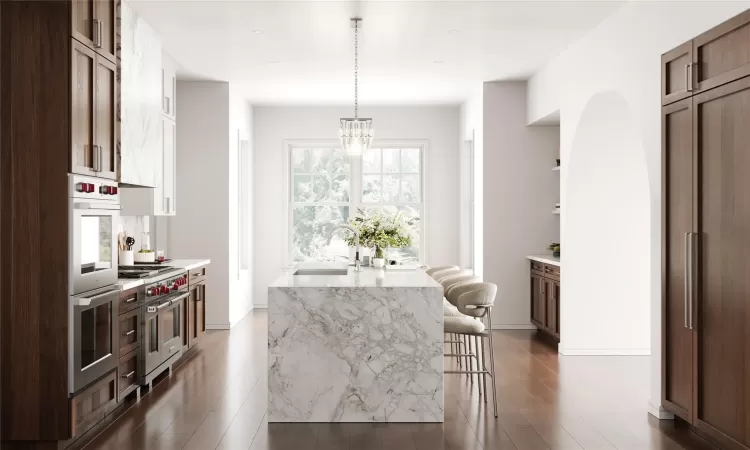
{"type": "Point", "coordinates": [545, 298]}
{"type": "Point", "coordinates": [196, 313]}
{"type": "Point", "coordinates": [93, 403]}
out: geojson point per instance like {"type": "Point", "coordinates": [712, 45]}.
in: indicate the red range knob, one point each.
{"type": "Point", "coordinates": [154, 291]}
{"type": "Point", "coordinates": [163, 289]}
{"type": "Point", "coordinates": [113, 190]}
{"type": "Point", "coordinates": [174, 288]}
{"type": "Point", "coordinates": [89, 187]}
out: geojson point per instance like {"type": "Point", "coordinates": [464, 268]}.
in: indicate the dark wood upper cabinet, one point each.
{"type": "Point", "coordinates": [677, 223]}
{"type": "Point", "coordinates": [106, 16]}
{"type": "Point", "coordinates": [722, 54]}
{"type": "Point", "coordinates": [676, 73]}
{"type": "Point", "coordinates": [93, 113]}
{"type": "Point", "coordinates": [82, 17]}
{"type": "Point", "coordinates": [83, 75]}
{"type": "Point", "coordinates": [721, 306]}
{"type": "Point", "coordinates": [94, 24]}
{"type": "Point", "coordinates": [105, 117]}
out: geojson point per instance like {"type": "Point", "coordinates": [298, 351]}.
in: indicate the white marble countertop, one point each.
{"type": "Point", "coordinates": [546, 259]}
{"type": "Point", "coordinates": [187, 264]}
{"type": "Point", "coordinates": [128, 283]}
{"type": "Point", "coordinates": [367, 277]}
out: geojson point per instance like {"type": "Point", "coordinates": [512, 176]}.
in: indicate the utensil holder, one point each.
{"type": "Point", "coordinates": [126, 258]}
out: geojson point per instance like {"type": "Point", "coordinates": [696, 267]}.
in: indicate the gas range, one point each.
{"type": "Point", "coordinates": [148, 273]}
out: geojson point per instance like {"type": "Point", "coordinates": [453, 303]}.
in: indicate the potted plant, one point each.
{"type": "Point", "coordinates": [378, 230]}
{"type": "Point", "coordinates": [555, 247]}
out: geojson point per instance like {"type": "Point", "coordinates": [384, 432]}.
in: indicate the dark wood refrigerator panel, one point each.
{"type": "Point", "coordinates": [677, 191]}
{"type": "Point", "coordinates": [722, 316]}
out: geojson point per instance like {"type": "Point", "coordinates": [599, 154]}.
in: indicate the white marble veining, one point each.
{"type": "Point", "coordinates": [141, 128]}
{"type": "Point", "coordinates": [546, 259]}
{"type": "Point", "coordinates": [355, 349]}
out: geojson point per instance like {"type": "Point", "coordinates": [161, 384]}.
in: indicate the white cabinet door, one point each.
{"type": "Point", "coordinates": [168, 86]}
{"type": "Point", "coordinates": [169, 166]}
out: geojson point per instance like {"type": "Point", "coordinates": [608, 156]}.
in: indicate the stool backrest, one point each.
{"type": "Point", "coordinates": [473, 299]}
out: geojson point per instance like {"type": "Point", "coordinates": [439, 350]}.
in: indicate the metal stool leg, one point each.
{"type": "Point", "coordinates": [479, 367]}
{"type": "Point", "coordinates": [484, 367]}
{"type": "Point", "coordinates": [492, 361]}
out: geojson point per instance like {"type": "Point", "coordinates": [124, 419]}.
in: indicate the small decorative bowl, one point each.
{"type": "Point", "coordinates": [144, 257]}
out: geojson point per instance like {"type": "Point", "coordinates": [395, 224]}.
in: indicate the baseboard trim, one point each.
{"type": "Point", "coordinates": [659, 412]}
{"type": "Point", "coordinates": [261, 306]}
{"type": "Point", "coordinates": [604, 351]}
{"type": "Point", "coordinates": [218, 326]}
{"type": "Point", "coordinates": [512, 327]}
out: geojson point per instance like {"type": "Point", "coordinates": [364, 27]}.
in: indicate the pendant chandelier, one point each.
{"type": "Point", "coordinates": [356, 133]}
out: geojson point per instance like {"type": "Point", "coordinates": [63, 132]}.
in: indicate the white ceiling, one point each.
{"type": "Point", "coordinates": [301, 52]}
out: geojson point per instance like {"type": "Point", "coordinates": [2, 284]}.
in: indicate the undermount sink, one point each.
{"type": "Point", "coordinates": [321, 268]}
{"type": "Point", "coordinates": [320, 272]}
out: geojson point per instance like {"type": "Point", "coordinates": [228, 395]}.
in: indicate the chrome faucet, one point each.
{"type": "Point", "coordinates": [356, 242]}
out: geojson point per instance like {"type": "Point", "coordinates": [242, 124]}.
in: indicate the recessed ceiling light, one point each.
{"type": "Point", "coordinates": [257, 31]}
{"type": "Point", "coordinates": [453, 31]}
{"type": "Point", "coordinates": [438, 62]}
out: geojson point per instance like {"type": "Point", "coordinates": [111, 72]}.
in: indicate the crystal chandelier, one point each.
{"type": "Point", "coordinates": [355, 133]}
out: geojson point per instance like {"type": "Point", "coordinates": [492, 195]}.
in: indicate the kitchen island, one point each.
{"type": "Point", "coordinates": [362, 347]}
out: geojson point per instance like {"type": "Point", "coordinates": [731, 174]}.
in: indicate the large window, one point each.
{"type": "Point", "coordinates": [327, 188]}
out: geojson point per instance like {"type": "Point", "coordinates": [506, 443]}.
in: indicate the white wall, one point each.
{"type": "Point", "coordinates": [201, 226]}
{"type": "Point", "coordinates": [622, 55]}
{"type": "Point", "coordinates": [472, 127]}
{"type": "Point", "coordinates": [439, 125]}
{"type": "Point", "coordinates": [520, 192]}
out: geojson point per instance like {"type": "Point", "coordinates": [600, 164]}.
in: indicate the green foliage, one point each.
{"type": "Point", "coordinates": [380, 230]}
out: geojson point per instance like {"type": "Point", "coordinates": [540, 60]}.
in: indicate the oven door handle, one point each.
{"type": "Point", "coordinates": [96, 300]}
{"type": "Point", "coordinates": [177, 299]}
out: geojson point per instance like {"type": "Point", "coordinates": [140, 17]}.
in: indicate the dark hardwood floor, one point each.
{"type": "Point", "coordinates": [217, 400]}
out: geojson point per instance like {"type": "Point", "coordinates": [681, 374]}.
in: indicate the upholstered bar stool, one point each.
{"type": "Point", "coordinates": [474, 301]}
{"type": "Point", "coordinates": [449, 283]}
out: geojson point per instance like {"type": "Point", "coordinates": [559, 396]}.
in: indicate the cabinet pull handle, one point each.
{"type": "Point", "coordinates": [541, 286]}
{"type": "Point", "coordinates": [129, 374]}
{"type": "Point", "coordinates": [129, 333]}
{"type": "Point", "coordinates": [171, 348]}
{"type": "Point", "coordinates": [689, 77]}
{"type": "Point", "coordinates": [688, 301]}
{"type": "Point", "coordinates": [131, 300]}
{"type": "Point", "coordinates": [693, 259]}
{"type": "Point", "coordinates": [96, 158]}
{"type": "Point", "coordinates": [97, 38]}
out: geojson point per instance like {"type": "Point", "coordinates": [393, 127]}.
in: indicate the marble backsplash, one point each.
{"type": "Point", "coordinates": [135, 226]}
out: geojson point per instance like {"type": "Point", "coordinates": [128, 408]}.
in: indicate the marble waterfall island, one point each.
{"type": "Point", "coordinates": [360, 347]}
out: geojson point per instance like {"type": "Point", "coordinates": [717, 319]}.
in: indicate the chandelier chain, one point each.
{"type": "Point", "coordinates": [356, 68]}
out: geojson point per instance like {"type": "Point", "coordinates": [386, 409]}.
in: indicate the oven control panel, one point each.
{"type": "Point", "coordinates": [93, 188]}
{"type": "Point", "coordinates": [167, 286]}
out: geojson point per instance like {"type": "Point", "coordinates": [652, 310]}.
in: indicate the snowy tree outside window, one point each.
{"type": "Point", "coordinates": [327, 188]}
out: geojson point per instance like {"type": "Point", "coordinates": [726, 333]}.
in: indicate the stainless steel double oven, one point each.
{"type": "Point", "coordinates": [93, 213]}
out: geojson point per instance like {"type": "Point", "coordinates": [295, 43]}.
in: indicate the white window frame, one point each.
{"type": "Point", "coordinates": [355, 187]}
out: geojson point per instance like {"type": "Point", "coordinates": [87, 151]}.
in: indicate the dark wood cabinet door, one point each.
{"type": "Point", "coordinates": [676, 66]}
{"type": "Point", "coordinates": [538, 301]}
{"type": "Point", "coordinates": [83, 74]}
{"type": "Point", "coordinates": [200, 311]}
{"type": "Point", "coordinates": [130, 332]}
{"type": "Point", "coordinates": [552, 309]}
{"type": "Point", "coordinates": [105, 118]}
{"type": "Point", "coordinates": [722, 301]}
{"type": "Point", "coordinates": [82, 21]}
{"type": "Point", "coordinates": [106, 21]}
{"type": "Point", "coordinates": [722, 54]}
{"type": "Point", "coordinates": [677, 221]}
